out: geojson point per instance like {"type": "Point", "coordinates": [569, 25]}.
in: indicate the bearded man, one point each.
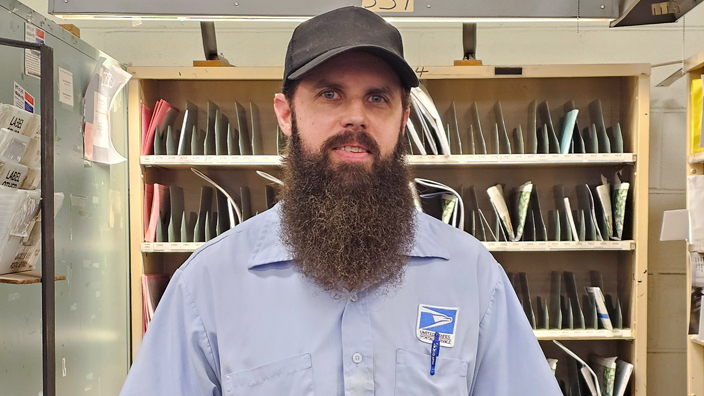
{"type": "Point", "coordinates": [343, 288]}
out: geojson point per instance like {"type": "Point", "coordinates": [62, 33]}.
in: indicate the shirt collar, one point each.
{"type": "Point", "coordinates": [269, 249]}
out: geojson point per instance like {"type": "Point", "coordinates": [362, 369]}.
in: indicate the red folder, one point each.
{"type": "Point", "coordinates": [147, 206]}
{"type": "Point", "coordinates": [146, 120]}
{"type": "Point", "coordinates": [164, 114]}
{"type": "Point", "coordinates": [160, 203]}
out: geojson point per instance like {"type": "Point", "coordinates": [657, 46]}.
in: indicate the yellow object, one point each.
{"type": "Point", "coordinates": [696, 109]}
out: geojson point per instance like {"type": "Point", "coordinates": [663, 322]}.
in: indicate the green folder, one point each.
{"type": "Point", "coordinates": [213, 113]}
{"type": "Point", "coordinates": [504, 142]}
{"type": "Point", "coordinates": [161, 228]}
{"type": "Point", "coordinates": [270, 196]}
{"type": "Point", "coordinates": [553, 143]}
{"type": "Point", "coordinates": [462, 146]}
{"type": "Point", "coordinates": [543, 140]}
{"type": "Point", "coordinates": [591, 320]}
{"type": "Point", "coordinates": [176, 201]}
{"type": "Point", "coordinates": [197, 141]}
{"type": "Point", "coordinates": [245, 140]}
{"type": "Point", "coordinates": [209, 229]}
{"type": "Point", "coordinates": [555, 309]}
{"type": "Point", "coordinates": [554, 221]}
{"type": "Point", "coordinates": [546, 119]}
{"type": "Point", "coordinates": [614, 309]}
{"type": "Point", "coordinates": [527, 303]}
{"type": "Point", "coordinates": [233, 140]}
{"type": "Point", "coordinates": [566, 134]}
{"type": "Point", "coordinates": [257, 148]}
{"type": "Point", "coordinates": [223, 219]}
{"type": "Point", "coordinates": [597, 117]}
{"type": "Point", "coordinates": [581, 227]}
{"type": "Point", "coordinates": [159, 142]}
{"type": "Point", "coordinates": [543, 316]}
{"type": "Point", "coordinates": [616, 138]}
{"type": "Point", "coordinates": [495, 145]}
{"type": "Point", "coordinates": [541, 232]}
{"type": "Point", "coordinates": [571, 291]}
{"type": "Point", "coordinates": [518, 140]}
{"type": "Point", "coordinates": [532, 132]}
{"type": "Point", "coordinates": [246, 203]}
{"type": "Point", "coordinates": [187, 225]}
{"type": "Point", "coordinates": [170, 142]}
{"type": "Point", "coordinates": [206, 203]}
{"type": "Point", "coordinates": [567, 318]}
{"type": "Point", "coordinates": [476, 124]}
{"type": "Point", "coordinates": [220, 128]}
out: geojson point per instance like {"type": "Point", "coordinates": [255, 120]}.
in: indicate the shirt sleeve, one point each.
{"type": "Point", "coordinates": [175, 357]}
{"type": "Point", "coordinates": [509, 358]}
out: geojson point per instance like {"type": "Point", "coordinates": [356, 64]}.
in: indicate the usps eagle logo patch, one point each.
{"type": "Point", "coordinates": [432, 319]}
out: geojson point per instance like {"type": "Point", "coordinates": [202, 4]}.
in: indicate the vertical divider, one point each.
{"type": "Point", "coordinates": [47, 221]}
{"type": "Point", "coordinates": [47, 210]}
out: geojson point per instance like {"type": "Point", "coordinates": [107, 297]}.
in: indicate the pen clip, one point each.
{"type": "Point", "coordinates": [434, 352]}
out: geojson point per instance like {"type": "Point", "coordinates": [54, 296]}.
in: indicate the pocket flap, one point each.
{"type": "Point", "coordinates": [279, 368]}
{"type": "Point", "coordinates": [421, 361]}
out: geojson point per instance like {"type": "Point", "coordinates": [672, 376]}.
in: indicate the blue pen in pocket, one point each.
{"type": "Point", "coordinates": [434, 352]}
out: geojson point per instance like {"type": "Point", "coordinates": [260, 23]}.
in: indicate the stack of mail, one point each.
{"type": "Point", "coordinates": [20, 152]}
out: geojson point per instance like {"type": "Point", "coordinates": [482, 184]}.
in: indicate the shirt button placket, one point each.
{"type": "Point", "coordinates": [357, 349]}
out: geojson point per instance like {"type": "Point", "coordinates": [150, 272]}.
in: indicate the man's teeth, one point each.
{"type": "Point", "coordinates": [352, 149]}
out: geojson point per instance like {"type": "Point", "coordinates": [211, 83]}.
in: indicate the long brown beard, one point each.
{"type": "Point", "coordinates": [348, 228]}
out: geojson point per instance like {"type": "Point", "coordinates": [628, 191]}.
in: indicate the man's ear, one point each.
{"type": "Point", "coordinates": [406, 114]}
{"type": "Point", "coordinates": [283, 113]}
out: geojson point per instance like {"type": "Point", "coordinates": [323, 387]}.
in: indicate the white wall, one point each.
{"type": "Point", "coordinates": [264, 44]}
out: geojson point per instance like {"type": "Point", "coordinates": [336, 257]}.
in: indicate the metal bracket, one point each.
{"type": "Point", "coordinates": [469, 44]}
{"type": "Point", "coordinates": [210, 47]}
{"type": "Point", "coordinates": [469, 41]}
{"type": "Point", "coordinates": [210, 43]}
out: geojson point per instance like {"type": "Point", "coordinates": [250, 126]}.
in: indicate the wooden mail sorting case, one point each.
{"type": "Point", "coordinates": [623, 91]}
{"type": "Point", "coordinates": [694, 67]}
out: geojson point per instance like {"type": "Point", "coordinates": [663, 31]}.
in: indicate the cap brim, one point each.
{"type": "Point", "coordinates": [406, 74]}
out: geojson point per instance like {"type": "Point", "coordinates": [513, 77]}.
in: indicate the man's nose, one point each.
{"type": "Point", "coordinates": [355, 115]}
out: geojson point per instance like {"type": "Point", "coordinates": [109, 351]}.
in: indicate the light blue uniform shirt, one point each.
{"type": "Point", "coordinates": [237, 319]}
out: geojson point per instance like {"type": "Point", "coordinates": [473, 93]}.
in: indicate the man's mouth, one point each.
{"type": "Point", "coordinates": [351, 152]}
{"type": "Point", "coordinates": [352, 149]}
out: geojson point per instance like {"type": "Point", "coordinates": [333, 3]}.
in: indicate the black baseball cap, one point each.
{"type": "Point", "coordinates": [348, 28]}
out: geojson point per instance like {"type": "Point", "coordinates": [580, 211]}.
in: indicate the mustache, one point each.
{"type": "Point", "coordinates": [351, 136]}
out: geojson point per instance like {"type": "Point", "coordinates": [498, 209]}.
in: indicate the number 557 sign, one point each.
{"type": "Point", "coordinates": [388, 5]}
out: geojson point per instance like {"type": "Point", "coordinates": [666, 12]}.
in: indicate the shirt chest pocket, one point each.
{"type": "Point", "coordinates": [413, 375]}
{"type": "Point", "coordinates": [291, 376]}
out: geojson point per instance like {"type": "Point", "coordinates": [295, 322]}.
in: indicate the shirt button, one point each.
{"type": "Point", "coordinates": [357, 358]}
{"type": "Point", "coordinates": [353, 297]}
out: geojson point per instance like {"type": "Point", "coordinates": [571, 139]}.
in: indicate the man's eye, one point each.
{"type": "Point", "coordinates": [377, 99]}
{"type": "Point", "coordinates": [329, 94]}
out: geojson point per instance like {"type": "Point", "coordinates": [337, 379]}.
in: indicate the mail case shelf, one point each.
{"type": "Point", "coordinates": [624, 94]}
{"type": "Point", "coordinates": [454, 160]}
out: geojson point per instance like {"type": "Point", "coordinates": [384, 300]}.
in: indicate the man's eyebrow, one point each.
{"type": "Point", "coordinates": [381, 90]}
{"type": "Point", "coordinates": [324, 83]}
{"type": "Point", "coordinates": [327, 84]}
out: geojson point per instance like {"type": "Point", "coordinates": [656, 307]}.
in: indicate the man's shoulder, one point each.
{"type": "Point", "coordinates": [464, 255]}
{"type": "Point", "coordinates": [454, 240]}
{"type": "Point", "coordinates": [234, 247]}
